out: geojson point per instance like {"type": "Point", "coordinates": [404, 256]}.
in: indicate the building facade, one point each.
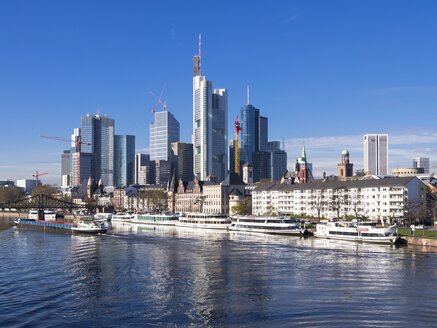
{"type": "Point", "coordinates": [421, 162]}
{"type": "Point", "coordinates": [65, 168]}
{"type": "Point", "coordinates": [376, 154]}
{"type": "Point", "coordinates": [124, 167]}
{"type": "Point", "coordinates": [142, 169]}
{"type": "Point", "coordinates": [183, 159]}
{"type": "Point", "coordinates": [345, 168]}
{"type": "Point", "coordinates": [386, 200]}
{"type": "Point", "coordinates": [164, 130]}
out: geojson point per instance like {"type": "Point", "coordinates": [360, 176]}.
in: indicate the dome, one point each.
{"type": "Point", "coordinates": [345, 152]}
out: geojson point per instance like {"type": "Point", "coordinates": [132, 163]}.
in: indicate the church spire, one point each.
{"type": "Point", "coordinates": [304, 154]}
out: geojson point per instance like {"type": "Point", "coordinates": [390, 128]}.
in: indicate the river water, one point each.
{"type": "Point", "coordinates": [141, 276]}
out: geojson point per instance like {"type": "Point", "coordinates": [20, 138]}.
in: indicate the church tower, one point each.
{"type": "Point", "coordinates": [345, 169]}
{"type": "Point", "coordinates": [303, 167]}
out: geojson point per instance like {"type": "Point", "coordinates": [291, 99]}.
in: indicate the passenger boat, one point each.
{"type": "Point", "coordinates": [155, 219]}
{"type": "Point", "coordinates": [204, 221]}
{"type": "Point", "coordinates": [365, 231]}
{"type": "Point", "coordinates": [278, 225]}
{"type": "Point", "coordinates": [90, 227]}
{"type": "Point", "coordinates": [122, 217]}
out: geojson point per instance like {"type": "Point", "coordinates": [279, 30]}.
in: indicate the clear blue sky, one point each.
{"type": "Point", "coordinates": [324, 72]}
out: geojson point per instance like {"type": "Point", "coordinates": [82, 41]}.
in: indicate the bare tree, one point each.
{"type": "Point", "coordinates": [318, 203]}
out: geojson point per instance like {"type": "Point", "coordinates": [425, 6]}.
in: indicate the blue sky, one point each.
{"type": "Point", "coordinates": [324, 72]}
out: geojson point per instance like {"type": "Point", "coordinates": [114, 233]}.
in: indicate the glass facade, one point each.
{"type": "Point", "coordinates": [124, 160]}
{"type": "Point", "coordinates": [163, 131]}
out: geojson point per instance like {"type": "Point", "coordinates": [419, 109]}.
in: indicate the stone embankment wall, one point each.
{"type": "Point", "coordinates": [427, 242]}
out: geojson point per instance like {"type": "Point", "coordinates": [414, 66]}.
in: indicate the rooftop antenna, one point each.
{"type": "Point", "coordinates": [248, 95]}
{"type": "Point", "coordinates": [200, 52]}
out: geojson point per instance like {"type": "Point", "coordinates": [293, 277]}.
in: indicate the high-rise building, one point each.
{"type": "Point", "coordinates": [249, 130]}
{"type": "Point", "coordinates": [278, 160]}
{"type": "Point", "coordinates": [163, 131]}
{"type": "Point", "coordinates": [163, 171]}
{"type": "Point", "coordinates": [124, 156]}
{"type": "Point", "coordinates": [142, 169]}
{"type": "Point", "coordinates": [421, 162]}
{"type": "Point", "coordinates": [97, 136]}
{"type": "Point", "coordinates": [65, 168]}
{"type": "Point", "coordinates": [183, 159]}
{"type": "Point", "coordinates": [82, 163]}
{"type": "Point", "coordinates": [376, 154]}
{"type": "Point", "coordinates": [210, 133]}
{"type": "Point", "coordinates": [263, 134]}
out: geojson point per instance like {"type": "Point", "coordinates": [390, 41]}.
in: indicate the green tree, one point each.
{"type": "Point", "coordinates": [244, 208]}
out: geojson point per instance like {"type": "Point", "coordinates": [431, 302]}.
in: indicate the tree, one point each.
{"type": "Point", "coordinates": [47, 190]}
{"type": "Point", "coordinates": [244, 208]}
{"type": "Point", "coordinates": [10, 194]}
{"type": "Point", "coordinates": [318, 203]}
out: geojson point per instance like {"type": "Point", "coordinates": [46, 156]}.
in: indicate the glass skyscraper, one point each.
{"type": "Point", "coordinates": [163, 131]}
{"type": "Point", "coordinates": [124, 160]}
{"type": "Point", "coordinates": [376, 154]}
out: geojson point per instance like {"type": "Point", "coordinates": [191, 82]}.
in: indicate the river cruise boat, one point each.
{"type": "Point", "coordinates": [278, 225]}
{"type": "Point", "coordinates": [166, 219]}
{"type": "Point", "coordinates": [353, 231]}
{"type": "Point", "coordinates": [90, 227]}
{"type": "Point", "coordinates": [122, 217]}
{"type": "Point", "coordinates": [204, 221]}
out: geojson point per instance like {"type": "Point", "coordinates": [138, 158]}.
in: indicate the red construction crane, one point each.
{"type": "Point", "coordinates": [37, 175]}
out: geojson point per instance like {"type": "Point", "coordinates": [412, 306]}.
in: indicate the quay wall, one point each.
{"type": "Point", "coordinates": [417, 241]}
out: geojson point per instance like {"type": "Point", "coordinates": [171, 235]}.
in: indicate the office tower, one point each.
{"type": "Point", "coordinates": [376, 154]}
{"type": "Point", "coordinates": [209, 125]}
{"type": "Point", "coordinates": [163, 131]}
{"type": "Point", "coordinates": [263, 134]}
{"type": "Point", "coordinates": [278, 160]}
{"type": "Point", "coordinates": [345, 168]}
{"type": "Point", "coordinates": [163, 171]}
{"type": "Point", "coordinates": [82, 163]}
{"type": "Point", "coordinates": [124, 158]}
{"type": "Point", "coordinates": [65, 168]}
{"type": "Point", "coordinates": [262, 166]}
{"type": "Point", "coordinates": [142, 169]}
{"type": "Point", "coordinates": [183, 159]}
{"type": "Point", "coordinates": [97, 136]}
{"type": "Point", "coordinates": [422, 162]}
{"type": "Point", "coordinates": [219, 134]}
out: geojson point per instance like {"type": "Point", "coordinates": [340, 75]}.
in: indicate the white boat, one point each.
{"type": "Point", "coordinates": [90, 227]}
{"type": "Point", "coordinates": [155, 219]}
{"type": "Point", "coordinates": [365, 231]}
{"type": "Point", "coordinates": [48, 215]}
{"type": "Point", "coordinates": [122, 217]}
{"type": "Point", "coordinates": [278, 225]}
{"type": "Point", "coordinates": [204, 221]}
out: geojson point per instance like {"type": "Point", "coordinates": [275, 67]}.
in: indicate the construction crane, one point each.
{"type": "Point", "coordinates": [159, 101]}
{"type": "Point", "coordinates": [37, 175]}
{"type": "Point", "coordinates": [237, 147]}
{"type": "Point", "coordinates": [78, 144]}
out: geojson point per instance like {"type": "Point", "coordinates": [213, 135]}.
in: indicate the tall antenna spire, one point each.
{"type": "Point", "coordinates": [200, 52]}
{"type": "Point", "coordinates": [248, 95]}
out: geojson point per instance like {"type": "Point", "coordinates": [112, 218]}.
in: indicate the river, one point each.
{"type": "Point", "coordinates": [139, 276]}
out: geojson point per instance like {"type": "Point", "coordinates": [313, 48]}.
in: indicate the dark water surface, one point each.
{"type": "Point", "coordinates": [140, 276]}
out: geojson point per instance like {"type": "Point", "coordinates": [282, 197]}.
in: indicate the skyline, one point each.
{"type": "Point", "coordinates": [320, 67]}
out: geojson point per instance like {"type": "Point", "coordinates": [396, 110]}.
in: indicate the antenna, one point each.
{"type": "Point", "coordinates": [248, 94]}
{"type": "Point", "coordinates": [200, 52]}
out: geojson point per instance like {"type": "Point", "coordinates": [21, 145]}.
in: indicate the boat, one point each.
{"type": "Point", "coordinates": [90, 227]}
{"type": "Point", "coordinates": [204, 221]}
{"type": "Point", "coordinates": [155, 218]}
{"type": "Point", "coordinates": [69, 227]}
{"type": "Point", "coordinates": [48, 215]}
{"type": "Point", "coordinates": [354, 231]}
{"type": "Point", "coordinates": [278, 225]}
{"type": "Point", "coordinates": [122, 217]}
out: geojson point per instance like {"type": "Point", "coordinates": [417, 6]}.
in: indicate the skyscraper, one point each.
{"type": "Point", "coordinates": [97, 136]}
{"type": "Point", "coordinates": [263, 134]}
{"type": "Point", "coordinates": [163, 131]}
{"type": "Point", "coordinates": [124, 146]}
{"type": "Point", "coordinates": [183, 153]}
{"type": "Point", "coordinates": [421, 162]}
{"type": "Point", "coordinates": [376, 154]}
{"type": "Point", "coordinates": [278, 160]}
{"type": "Point", "coordinates": [250, 130]}
{"type": "Point", "coordinates": [210, 133]}
{"type": "Point", "coordinates": [142, 169]}
{"type": "Point", "coordinates": [65, 168]}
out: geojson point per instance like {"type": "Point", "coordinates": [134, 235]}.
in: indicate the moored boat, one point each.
{"type": "Point", "coordinates": [278, 225]}
{"type": "Point", "coordinates": [204, 221]}
{"type": "Point", "coordinates": [91, 227]}
{"type": "Point", "coordinates": [353, 231]}
{"type": "Point", "coordinates": [122, 217]}
{"type": "Point", "coordinates": [155, 218]}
